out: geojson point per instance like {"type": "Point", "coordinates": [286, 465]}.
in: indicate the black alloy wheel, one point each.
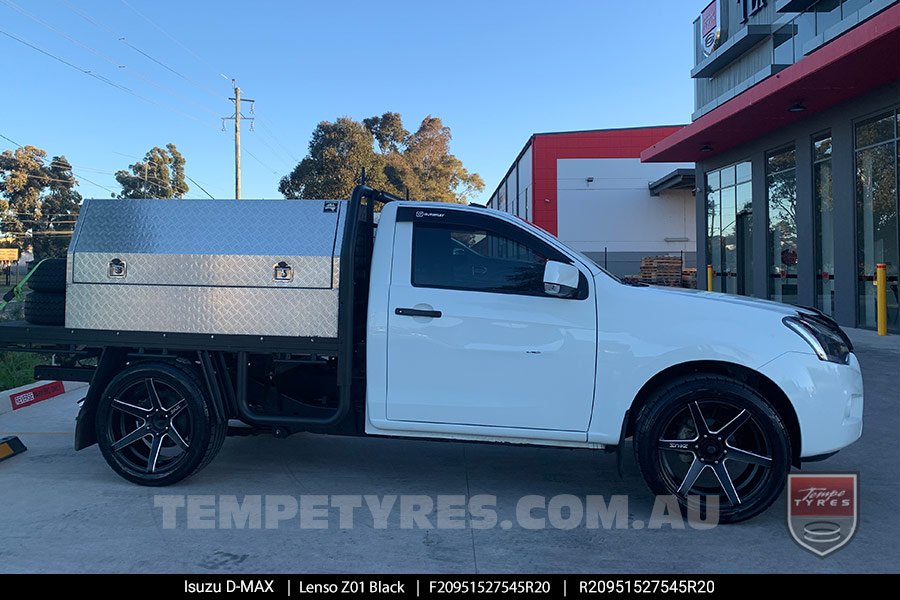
{"type": "Point", "coordinates": [711, 436]}
{"type": "Point", "coordinates": [154, 424]}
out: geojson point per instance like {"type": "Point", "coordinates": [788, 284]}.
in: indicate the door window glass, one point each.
{"type": "Point", "coordinates": [471, 258]}
{"type": "Point", "coordinates": [877, 155]}
{"type": "Point", "coordinates": [728, 199]}
{"type": "Point", "coordinates": [782, 205]}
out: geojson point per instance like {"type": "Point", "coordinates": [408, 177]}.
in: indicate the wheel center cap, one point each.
{"type": "Point", "coordinates": [159, 422]}
{"type": "Point", "coordinates": [710, 449]}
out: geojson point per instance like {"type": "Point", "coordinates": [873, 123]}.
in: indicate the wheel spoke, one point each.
{"type": "Point", "coordinates": [724, 478]}
{"type": "Point", "coordinates": [699, 421]}
{"type": "Point", "coordinates": [745, 456]}
{"type": "Point", "coordinates": [733, 425]}
{"type": "Point", "coordinates": [131, 409]}
{"type": "Point", "coordinates": [677, 445]}
{"type": "Point", "coordinates": [691, 477]}
{"type": "Point", "coordinates": [131, 437]}
{"type": "Point", "coordinates": [154, 396]}
{"type": "Point", "coordinates": [153, 457]}
{"type": "Point", "coordinates": [176, 408]}
{"type": "Point", "coordinates": [176, 437]}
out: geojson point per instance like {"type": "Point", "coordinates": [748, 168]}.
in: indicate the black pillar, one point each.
{"type": "Point", "coordinates": [806, 230]}
{"type": "Point", "coordinates": [760, 227]}
{"type": "Point", "coordinates": [844, 198]}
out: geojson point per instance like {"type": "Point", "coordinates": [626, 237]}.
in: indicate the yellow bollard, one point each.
{"type": "Point", "coordinates": [881, 297]}
{"type": "Point", "coordinates": [709, 278]}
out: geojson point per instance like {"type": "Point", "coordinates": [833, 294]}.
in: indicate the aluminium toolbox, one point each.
{"type": "Point", "coordinates": [241, 267]}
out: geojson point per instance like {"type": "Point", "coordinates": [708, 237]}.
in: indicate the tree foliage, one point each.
{"type": "Point", "coordinates": [395, 160]}
{"type": "Point", "coordinates": [38, 201]}
{"type": "Point", "coordinates": [159, 175]}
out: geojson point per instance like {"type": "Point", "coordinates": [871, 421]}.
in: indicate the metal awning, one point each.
{"type": "Point", "coordinates": [679, 179]}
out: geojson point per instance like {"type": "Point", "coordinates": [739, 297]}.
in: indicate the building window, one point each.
{"type": "Point", "coordinates": [877, 151]}
{"type": "Point", "coordinates": [728, 209]}
{"type": "Point", "coordinates": [823, 213]}
{"type": "Point", "coordinates": [781, 192]}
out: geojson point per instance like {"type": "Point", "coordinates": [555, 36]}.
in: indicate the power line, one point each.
{"type": "Point", "coordinates": [39, 20]}
{"type": "Point", "coordinates": [105, 57]}
{"type": "Point", "coordinates": [288, 153]}
{"type": "Point", "coordinates": [172, 37]}
{"type": "Point", "coordinates": [291, 158]}
{"type": "Point", "coordinates": [274, 172]}
{"type": "Point", "coordinates": [68, 64]}
{"type": "Point", "coordinates": [165, 66]}
{"type": "Point", "coordinates": [199, 186]}
{"type": "Point", "coordinates": [121, 38]}
{"type": "Point", "coordinates": [90, 73]}
{"type": "Point", "coordinates": [275, 153]}
{"type": "Point", "coordinates": [79, 176]}
{"type": "Point", "coordinates": [13, 142]}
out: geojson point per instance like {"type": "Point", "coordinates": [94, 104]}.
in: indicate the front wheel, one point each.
{"type": "Point", "coordinates": [154, 424]}
{"type": "Point", "coordinates": [712, 436]}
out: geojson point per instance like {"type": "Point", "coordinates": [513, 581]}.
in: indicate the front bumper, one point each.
{"type": "Point", "coordinates": [827, 397]}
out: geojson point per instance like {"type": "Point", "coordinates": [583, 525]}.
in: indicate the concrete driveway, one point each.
{"type": "Point", "coordinates": [66, 511]}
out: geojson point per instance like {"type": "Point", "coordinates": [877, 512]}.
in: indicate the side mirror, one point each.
{"type": "Point", "coordinates": [560, 279]}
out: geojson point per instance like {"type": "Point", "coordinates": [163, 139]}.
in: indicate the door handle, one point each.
{"type": "Point", "coordinates": [415, 312]}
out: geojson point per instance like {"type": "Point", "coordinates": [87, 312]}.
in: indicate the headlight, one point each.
{"type": "Point", "coordinates": [823, 336]}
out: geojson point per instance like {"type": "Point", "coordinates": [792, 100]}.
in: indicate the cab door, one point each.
{"type": "Point", "coordinates": [472, 337]}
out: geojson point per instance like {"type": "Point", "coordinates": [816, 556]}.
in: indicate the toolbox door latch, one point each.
{"type": "Point", "coordinates": [118, 269]}
{"type": "Point", "coordinates": [283, 272]}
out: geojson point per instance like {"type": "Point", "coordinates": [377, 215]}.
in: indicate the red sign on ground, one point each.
{"type": "Point", "coordinates": [36, 394]}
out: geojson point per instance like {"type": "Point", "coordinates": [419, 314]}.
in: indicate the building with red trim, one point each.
{"type": "Point", "coordinates": [591, 189]}
{"type": "Point", "coordinates": [796, 140]}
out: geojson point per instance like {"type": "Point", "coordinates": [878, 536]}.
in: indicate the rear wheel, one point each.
{"type": "Point", "coordinates": [707, 435]}
{"type": "Point", "coordinates": [155, 426]}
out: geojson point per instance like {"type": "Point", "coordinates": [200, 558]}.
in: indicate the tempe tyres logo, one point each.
{"type": "Point", "coordinates": [822, 510]}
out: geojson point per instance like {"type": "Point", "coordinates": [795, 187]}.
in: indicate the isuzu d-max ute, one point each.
{"type": "Point", "coordinates": [383, 317]}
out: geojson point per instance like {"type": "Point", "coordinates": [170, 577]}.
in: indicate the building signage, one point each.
{"type": "Point", "coordinates": [751, 7]}
{"type": "Point", "coordinates": [710, 27]}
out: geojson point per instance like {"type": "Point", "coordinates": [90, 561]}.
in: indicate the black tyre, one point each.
{"type": "Point", "coordinates": [45, 308]}
{"type": "Point", "coordinates": [50, 276]}
{"type": "Point", "coordinates": [708, 435]}
{"type": "Point", "coordinates": [155, 426]}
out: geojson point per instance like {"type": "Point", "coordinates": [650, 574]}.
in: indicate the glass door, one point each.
{"type": "Point", "coordinates": [877, 234]}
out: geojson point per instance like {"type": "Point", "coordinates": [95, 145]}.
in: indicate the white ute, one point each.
{"type": "Point", "coordinates": [452, 322]}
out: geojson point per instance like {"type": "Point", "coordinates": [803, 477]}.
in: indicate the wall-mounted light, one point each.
{"type": "Point", "coordinates": [797, 107]}
{"type": "Point", "coordinates": [706, 148]}
{"type": "Point", "coordinates": [589, 179]}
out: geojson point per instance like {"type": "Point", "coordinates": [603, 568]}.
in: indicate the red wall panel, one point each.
{"type": "Point", "coordinates": [611, 143]}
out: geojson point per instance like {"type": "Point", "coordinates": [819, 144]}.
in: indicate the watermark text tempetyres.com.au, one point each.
{"type": "Point", "coordinates": [411, 511]}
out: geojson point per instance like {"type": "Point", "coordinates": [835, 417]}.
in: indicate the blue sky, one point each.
{"type": "Point", "coordinates": [494, 71]}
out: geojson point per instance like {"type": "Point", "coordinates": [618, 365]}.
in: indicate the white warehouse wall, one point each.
{"type": "Point", "coordinates": [616, 212]}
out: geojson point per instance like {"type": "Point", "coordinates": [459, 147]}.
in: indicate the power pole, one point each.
{"type": "Point", "coordinates": [237, 117]}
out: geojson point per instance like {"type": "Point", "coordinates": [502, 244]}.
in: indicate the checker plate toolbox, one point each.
{"type": "Point", "coordinates": [248, 267]}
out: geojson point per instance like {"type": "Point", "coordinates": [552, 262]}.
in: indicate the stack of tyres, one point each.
{"type": "Point", "coordinates": [46, 303]}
